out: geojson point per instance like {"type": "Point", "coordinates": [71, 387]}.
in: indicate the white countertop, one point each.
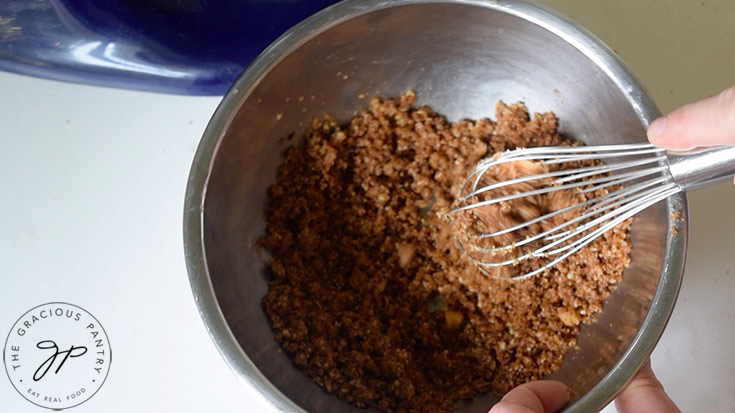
{"type": "Point", "coordinates": [93, 186]}
{"type": "Point", "coordinates": [92, 191]}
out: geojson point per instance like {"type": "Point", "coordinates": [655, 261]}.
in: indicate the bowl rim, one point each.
{"type": "Point", "coordinates": [571, 32]}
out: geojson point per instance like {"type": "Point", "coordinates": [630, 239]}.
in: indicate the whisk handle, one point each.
{"type": "Point", "coordinates": [702, 166]}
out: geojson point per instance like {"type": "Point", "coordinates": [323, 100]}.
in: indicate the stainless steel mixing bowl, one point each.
{"type": "Point", "coordinates": [460, 56]}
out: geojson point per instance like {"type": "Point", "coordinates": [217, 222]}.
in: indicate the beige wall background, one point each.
{"type": "Point", "coordinates": [681, 50]}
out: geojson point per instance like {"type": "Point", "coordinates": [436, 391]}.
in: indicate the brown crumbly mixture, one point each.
{"type": "Point", "coordinates": [468, 225]}
{"type": "Point", "coordinates": [369, 293]}
{"type": "Point", "coordinates": [675, 218]}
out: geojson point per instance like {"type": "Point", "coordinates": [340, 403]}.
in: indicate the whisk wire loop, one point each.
{"type": "Point", "coordinates": [634, 177]}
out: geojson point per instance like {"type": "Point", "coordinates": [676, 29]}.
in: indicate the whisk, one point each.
{"type": "Point", "coordinates": [616, 181]}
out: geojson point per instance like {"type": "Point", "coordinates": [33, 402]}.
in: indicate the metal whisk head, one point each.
{"type": "Point", "coordinates": [606, 184]}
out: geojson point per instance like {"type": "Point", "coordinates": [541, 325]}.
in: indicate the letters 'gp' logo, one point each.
{"type": "Point", "coordinates": [57, 355]}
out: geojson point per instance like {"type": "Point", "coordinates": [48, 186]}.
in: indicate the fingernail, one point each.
{"type": "Point", "coordinates": [656, 130]}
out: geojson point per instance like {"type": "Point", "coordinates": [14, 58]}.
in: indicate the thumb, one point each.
{"type": "Point", "coordinates": [645, 394]}
{"type": "Point", "coordinates": [707, 122]}
{"type": "Point", "coordinates": [544, 396]}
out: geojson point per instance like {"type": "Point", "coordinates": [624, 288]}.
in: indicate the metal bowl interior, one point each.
{"type": "Point", "coordinates": [460, 57]}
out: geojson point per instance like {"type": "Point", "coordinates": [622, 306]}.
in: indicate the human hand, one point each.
{"type": "Point", "coordinates": [644, 394]}
{"type": "Point", "coordinates": [707, 122]}
{"type": "Point", "coordinates": [543, 396]}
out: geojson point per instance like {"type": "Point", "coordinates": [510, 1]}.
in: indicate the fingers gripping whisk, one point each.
{"type": "Point", "coordinates": [523, 211]}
